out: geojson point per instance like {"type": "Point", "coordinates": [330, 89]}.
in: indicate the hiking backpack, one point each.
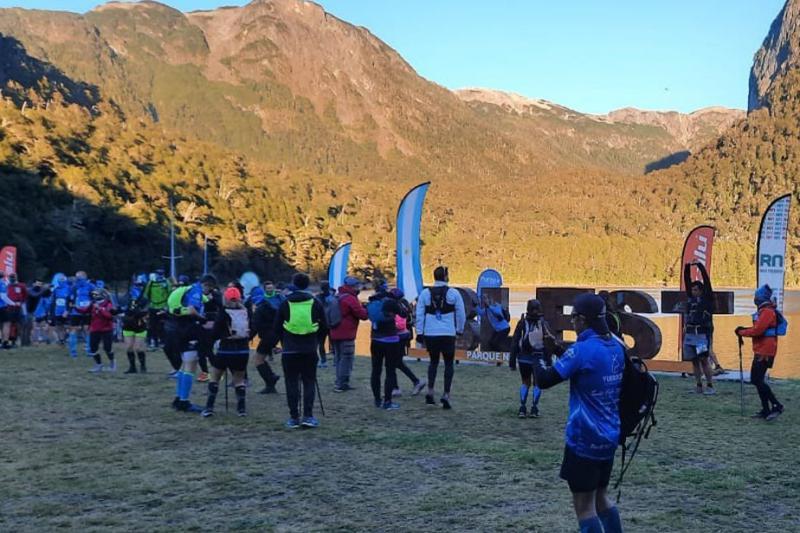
{"type": "Point", "coordinates": [333, 312]}
{"type": "Point", "coordinates": [375, 312]}
{"type": "Point", "coordinates": [637, 403]}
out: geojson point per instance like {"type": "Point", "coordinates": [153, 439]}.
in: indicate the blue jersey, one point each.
{"type": "Point", "coordinates": [3, 290]}
{"type": "Point", "coordinates": [194, 298]}
{"type": "Point", "coordinates": [61, 294]}
{"type": "Point", "coordinates": [43, 307]}
{"type": "Point", "coordinates": [81, 297]}
{"type": "Point", "coordinates": [594, 367]}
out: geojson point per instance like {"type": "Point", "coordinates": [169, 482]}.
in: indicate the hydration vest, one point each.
{"type": "Point", "coordinates": [175, 300]}
{"type": "Point", "coordinates": [439, 305]}
{"type": "Point", "coordinates": [697, 314]}
{"type": "Point", "coordinates": [240, 323]}
{"type": "Point", "coordinates": [300, 321]}
{"type": "Point", "coordinates": [82, 297]}
{"type": "Point", "coordinates": [534, 335]}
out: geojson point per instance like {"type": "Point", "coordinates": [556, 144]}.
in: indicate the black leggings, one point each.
{"type": "Point", "coordinates": [104, 337]}
{"type": "Point", "coordinates": [758, 371]}
{"type": "Point", "coordinates": [446, 348]}
{"type": "Point", "coordinates": [388, 354]}
{"type": "Point", "coordinates": [403, 367]}
{"type": "Point", "coordinates": [299, 368]}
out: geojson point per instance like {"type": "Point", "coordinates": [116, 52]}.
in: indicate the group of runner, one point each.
{"type": "Point", "coordinates": [200, 323]}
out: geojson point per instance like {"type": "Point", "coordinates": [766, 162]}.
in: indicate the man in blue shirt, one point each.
{"type": "Point", "coordinates": [594, 366]}
{"type": "Point", "coordinates": [79, 303]}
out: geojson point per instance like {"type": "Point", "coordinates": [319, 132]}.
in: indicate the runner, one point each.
{"type": "Point", "coordinates": [527, 347]}
{"type": "Point", "coordinates": [134, 325]}
{"type": "Point", "coordinates": [171, 332]}
{"type": "Point", "coordinates": [297, 323]}
{"type": "Point", "coordinates": [59, 307]}
{"type": "Point", "coordinates": [79, 303]}
{"type": "Point", "coordinates": [343, 335]}
{"type": "Point", "coordinates": [157, 292]}
{"type": "Point", "coordinates": [440, 317]}
{"type": "Point", "coordinates": [18, 294]}
{"type": "Point", "coordinates": [764, 333]}
{"type": "Point", "coordinates": [101, 330]}
{"type": "Point", "coordinates": [263, 323]}
{"type": "Point", "coordinates": [186, 304]}
{"type": "Point", "coordinates": [404, 330]}
{"type": "Point", "coordinates": [385, 348]}
{"type": "Point", "coordinates": [5, 312]}
{"type": "Point", "coordinates": [594, 366]}
{"type": "Point", "coordinates": [325, 297]}
{"type": "Point", "coordinates": [697, 326]}
{"type": "Point", "coordinates": [205, 346]}
{"type": "Point", "coordinates": [232, 330]}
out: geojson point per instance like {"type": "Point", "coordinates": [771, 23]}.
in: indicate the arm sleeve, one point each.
{"type": "Point", "coordinates": [765, 319]}
{"type": "Point", "coordinates": [706, 280]}
{"type": "Point", "coordinates": [515, 341]}
{"type": "Point", "coordinates": [687, 279]}
{"type": "Point", "coordinates": [546, 377]}
{"type": "Point", "coordinates": [420, 319]}
{"type": "Point", "coordinates": [569, 363]}
{"type": "Point", "coordinates": [461, 317]}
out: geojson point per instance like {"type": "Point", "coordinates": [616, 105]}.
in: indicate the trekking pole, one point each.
{"type": "Point", "coordinates": [319, 395]}
{"type": "Point", "coordinates": [741, 375]}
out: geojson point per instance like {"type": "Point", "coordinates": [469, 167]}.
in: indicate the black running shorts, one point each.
{"type": "Point", "coordinates": [234, 363]}
{"type": "Point", "coordinates": [77, 321]}
{"type": "Point", "coordinates": [585, 475]}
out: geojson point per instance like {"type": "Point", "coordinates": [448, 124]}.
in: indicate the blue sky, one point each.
{"type": "Point", "coordinates": [590, 55]}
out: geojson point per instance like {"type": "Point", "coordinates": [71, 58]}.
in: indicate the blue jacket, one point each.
{"type": "Point", "coordinates": [594, 366]}
{"type": "Point", "coordinates": [448, 320]}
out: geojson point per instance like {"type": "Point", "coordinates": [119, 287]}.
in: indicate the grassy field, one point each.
{"type": "Point", "coordinates": [103, 452]}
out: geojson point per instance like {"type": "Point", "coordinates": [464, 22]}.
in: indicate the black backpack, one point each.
{"type": "Point", "coordinates": [637, 403]}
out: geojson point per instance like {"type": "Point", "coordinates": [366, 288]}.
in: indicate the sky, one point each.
{"type": "Point", "coordinates": [589, 55]}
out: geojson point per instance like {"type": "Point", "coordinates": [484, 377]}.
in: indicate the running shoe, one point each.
{"type": "Point", "coordinates": [419, 386]}
{"type": "Point", "coordinates": [396, 393]}
{"type": "Point", "coordinates": [112, 367]}
{"type": "Point", "coordinates": [429, 400]}
{"type": "Point", "coordinates": [522, 412]}
{"type": "Point", "coordinates": [207, 412]}
{"type": "Point", "coordinates": [292, 423]}
{"type": "Point", "coordinates": [323, 364]}
{"type": "Point", "coordinates": [445, 403]}
{"type": "Point", "coordinates": [269, 389]}
{"type": "Point", "coordinates": [710, 391]}
{"type": "Point", "coordinates": [96, 369]}
{"type": "Point", "coordinates": [760, 414]}
{"type": "Point", "coordinates": [309, 422]}
{"type": "Point", "coordinates": [775, 413]}
{"type": "Point", "coordinates": [241, 412]}
{"type": "Point", "coordinates": [172, 375]}
{"type": "Point", "coordinates": [131, 370]}
{"type": "Point", "coordinates": [391, 406]}
{"type": "Point", "coordinates": [534, 411]}
{"type": "Point", "coordinates": [202, 377]}
{"type": "Point", "coordinates": [339, 389]}
{"type": "Point", "coordinates": [192, 408]}
{"type": "Point", "coordinates": [378, 403]}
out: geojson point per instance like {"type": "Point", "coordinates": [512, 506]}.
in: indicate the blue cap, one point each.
{"type": "Point", "coordinates": [350, 281]}
{"type": "Point", "coordinates": [763, 294]}
{"type": "Point", "coordinates": [593, 308]}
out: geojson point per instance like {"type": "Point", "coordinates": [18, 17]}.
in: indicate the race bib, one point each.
{"type": "Point", "coordinates": [61, 302]}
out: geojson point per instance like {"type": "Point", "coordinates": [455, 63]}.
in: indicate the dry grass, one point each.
{"type": "Point", "coordinates": [106, 452]}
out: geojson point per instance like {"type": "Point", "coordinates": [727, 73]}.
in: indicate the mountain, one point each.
{"type": "Point", "coordinates": [779, 53]}
{"type": "Point", "coordinates": [654, 139]}
{"type": "Point", "coordinates": [279, 131]}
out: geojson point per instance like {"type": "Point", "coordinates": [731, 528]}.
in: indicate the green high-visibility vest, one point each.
{"type": "Point", "coordinates": [175, 300]}
{"type": "Point", "coordinates": [300, 321]}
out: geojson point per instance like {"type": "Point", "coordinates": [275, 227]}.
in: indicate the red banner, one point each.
{"type": "Point", "coordinates": [8, 259]}
{"type": "Point", "coordinates": [697, 247]}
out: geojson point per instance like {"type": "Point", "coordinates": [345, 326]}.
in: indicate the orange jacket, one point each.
{"type": "Point", "coordinates": [762, 345]}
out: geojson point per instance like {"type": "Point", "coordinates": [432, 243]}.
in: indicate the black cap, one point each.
{"type": "Point", "coordinates": [593, 309]}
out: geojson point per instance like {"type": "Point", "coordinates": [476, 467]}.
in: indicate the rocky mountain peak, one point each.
{"type": "Point", "coordinates": [779, 52]}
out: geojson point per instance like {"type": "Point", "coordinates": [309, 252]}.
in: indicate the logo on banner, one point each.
{"type": "Point", "coordinates": [490, 357]}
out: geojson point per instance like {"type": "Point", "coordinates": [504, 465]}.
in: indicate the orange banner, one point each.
{"type": "Point", "coordinates": [8, 259]}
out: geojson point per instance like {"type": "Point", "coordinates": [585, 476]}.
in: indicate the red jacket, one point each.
{"type": "Point", "coordinates": [102, 318]}
{"type": "Point", "coordinates": [352, 312]}
{"type": "Point", "coordinates": [18, 292]}
{"type": "Point", "coordinates": [764, 346]}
